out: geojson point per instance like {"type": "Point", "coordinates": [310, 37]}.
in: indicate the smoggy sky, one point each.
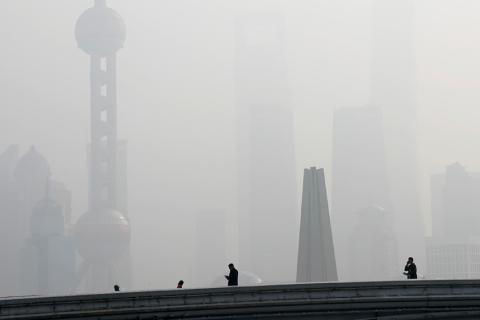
{"type": "Point", "coordinates": [176, 101]}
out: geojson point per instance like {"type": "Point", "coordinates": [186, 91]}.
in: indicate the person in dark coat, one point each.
{"type": "Point", "coordinates": [233, 276]}
{"type": "Point", "coordinates": [410, 269]}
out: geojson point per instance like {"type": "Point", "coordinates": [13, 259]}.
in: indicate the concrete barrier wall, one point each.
{"type": "Point", "coordinates": [373, 300]}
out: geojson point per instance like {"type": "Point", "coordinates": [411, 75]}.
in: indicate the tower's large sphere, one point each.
{"type": "Point", "coordinates": [100, 30]}
{"type": "Point", "coordinates": [102, 236]}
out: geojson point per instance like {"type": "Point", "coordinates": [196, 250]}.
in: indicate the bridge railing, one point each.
{"type": "Point", "coordinates": [316, 297]}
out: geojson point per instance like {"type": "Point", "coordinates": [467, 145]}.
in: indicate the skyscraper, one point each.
{"type": "Point", "coordinates": [394, 90]}
{"type": "Point", "coordinates": [373, 248]}
{"type": "Point", "coordinates": [48, 255]}
{"type": "Point", "coordinates": [359, 182]}
{"type": "Point", "coordinates": [267, 184]}
{"type": "Point", "coordinates": [453, 251]}
{"type": "Point", "coordinates": [316, 256]}
{"type": "Point", "coordinates": [30, 178]}
{"type": "Point", "coordinates": [103, 233]}
{"type": "Point", "coordinates": [455, 204]}
{"type": "Point", "coordinates": [210, 247]}
{"type": "Point", "coordinates": [9, 223]}
{"type": "Point", "coordinates": [37, 255]}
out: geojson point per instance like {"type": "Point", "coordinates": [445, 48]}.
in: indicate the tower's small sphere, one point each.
{"type": "Point", "coordinates": [100, 31]}
{"type": "Point", "coordinates": [102, 236]}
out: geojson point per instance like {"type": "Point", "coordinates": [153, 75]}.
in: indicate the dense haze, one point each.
{"type": "Point", "coordinates": [177, 104]}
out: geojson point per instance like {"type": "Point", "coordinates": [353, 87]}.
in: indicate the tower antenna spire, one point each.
{"type": "Point", "coordinates": [101, 3]}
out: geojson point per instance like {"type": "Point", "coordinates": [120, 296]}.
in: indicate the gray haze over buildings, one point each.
{"type": "Point", "coordinates": [178, 84]}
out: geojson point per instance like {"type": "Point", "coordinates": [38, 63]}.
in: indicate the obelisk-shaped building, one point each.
{"type": "Point", "coordinates": [316, 256]}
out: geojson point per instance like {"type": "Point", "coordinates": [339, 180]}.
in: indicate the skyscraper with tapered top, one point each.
{"type": "Point", "coordinates": [266, 176]}
{"type": "Point", "coordinates": [394, 91]}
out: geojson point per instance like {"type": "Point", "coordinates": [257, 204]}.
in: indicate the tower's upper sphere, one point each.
{"type": "Point", "coordinates": [100, 30]}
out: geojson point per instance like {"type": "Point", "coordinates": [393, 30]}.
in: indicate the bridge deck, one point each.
{"type": "Point", "coordinates": [401, 300]}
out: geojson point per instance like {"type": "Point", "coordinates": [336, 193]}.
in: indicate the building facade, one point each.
{"type": "Point", "coordinates": [266, 176]}
{"type": "Point", "coordinates": [393, 89]}
{"type": "Point", "coordinates": [359, 184]}
{"type": "Point", "coordinates": [37, 251]}
{"type": "Point", "coordinates": [48, 255]}
{"type": "Point", "coordinates": [453, 251]}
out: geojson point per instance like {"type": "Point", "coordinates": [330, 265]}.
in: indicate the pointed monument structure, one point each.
{"type": "Point", "coordinates": [316, 256]}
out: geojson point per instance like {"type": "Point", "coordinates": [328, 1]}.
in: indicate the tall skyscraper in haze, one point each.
{"type": "Point", "coordinates": [359, 182]}
{"type": "Point", "coordinates": [210, 247]}
{"type": "Point", "coordinates": [37, 254]}
{"type": "Point", "coordinates": [9, 223]}
{"type": "Point", "coordinates": [455, 203]}
{"type": "Point", "coordinates": [267, 184]}
{"type": "Point", "coordinates": [372, 247]}
{"type": "Point", "coordinates": [103, 233]}
{"type": "Point", "coordinates": [453, 251]}
{"type": "Point", "coordinates": [30, 178]}
{"type": "Point", "coordinates": [48, 255]}
{"type": "Point", "coordinates": [316, 256]}
{"type": "Point", "coordinates": [31, 175]}
{"type": "Point", "coordinates": [394, 90]}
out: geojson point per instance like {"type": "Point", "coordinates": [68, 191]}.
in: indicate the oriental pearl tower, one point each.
{"type": "Point", "coordinates": [102, 234]}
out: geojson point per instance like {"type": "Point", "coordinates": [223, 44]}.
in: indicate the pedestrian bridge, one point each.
{"type": "Point", "coordinates": [399, 300]}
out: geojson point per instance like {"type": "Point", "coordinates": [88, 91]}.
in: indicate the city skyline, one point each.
{"type": "Point", "coordinates": [177, 104]}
